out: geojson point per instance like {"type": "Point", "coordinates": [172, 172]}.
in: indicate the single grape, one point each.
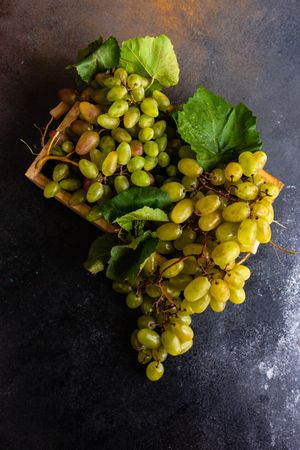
{"type": "Point", "coordinates": [51, 189]}
{"type": "Point", "coordinates": [182, 211]}
{"type": "Point", "coordinates": [77, 198]}
{"type": "Point", "coordinates": [217, 306]}
{"type": "Point", "coordinates": [131, 117]}
{"type": "Point", "coordinates": [160, 354]}
{"type": "Point", "coordinates": [149, 338]}
{"type": "Point", "coordinates": [247, 232]}
{"type": "Point", "coordinates": [95, 192]}
{"type": "Point", "coordinates": [144, 356]}
{"type": "Point", "coordinates": [149, 106]}
{"type": "Point", "coordinates": [169, 231]}
{"type": "Point", "coordinates": [225, 253]}
{"type": "Point", "coordinates": [108, 122]}
{"type": "Point", "coordinates": [163, 159]}
{"type": "Point", "coordinates": [217, 177]}
{"type": "Point", "coordinates": [237, 296]}
{"type": "Point", "coordinates": [146, 121]}
{"type": "Point", "coordinates": [151, 148]}
{"type": "Point", "coordinates": [233, 172]}
{"type": "Point", "coordinates": [124, 153]}
{"type": "Point", "coordinates": [200, 305]}
{"type": "Point", "coordinates": [122, 287]}
{"type": "Point", "coordinates": [260, 158]}
{"type": "Point", "coordinates": [135, 342]}
{"type": "Point", "coordinates": [171, 268]}
{"type": "Point", "coordinates": [246, 191]}
{"type": "Point", "coordinates": [97, 157]}
{"type": "Point", "coordinates": [219, 290]}
{"type": "Point", "coordinates": [189, 167]}
{"type": "Point", "coordinates": [87, 141]}
{"type": "Point", "coordinates": [155, 371]}
{"type": "Point", "coordinates": [234, 280]}
{"type": "Point", "coordinates": [110, 164]}
{"type": "Point", "coordinates": [162, 100]}
{"type": "Point", "coordinates": [134, 300]}
{"type": "Point", "coordinates": [118, 108]}
{"type": "Point", "coordinates": [88, 169]}
{"type": "Point", "coordinates": [210, 221]}
{"type": "Point", "coordinates": [248, 163]}
{"type": "Point", "coordinates": [236, 212]}
{"type": "Point", "coordinates": [196, 289]}
{"type": "Point", "coordinates": [171, 342]}
{"type": "Point", "coordinates": [263, 234]}
{"type": "Point", "coordinates": [227, 231]}
{"type": "Point", "coordinates": [140, 178]}
{"type": "Point", "coordinates": [70, 184]}
{"type": "Point", "coordinates": [121, 135]}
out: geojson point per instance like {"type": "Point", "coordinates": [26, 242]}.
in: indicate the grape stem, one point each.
{"type": "Point", "coordinates": [289, 252]}
{"type": "Point", "coordinates": [46, 158]}
{"type": "Point", "coordinates": [244, 258]}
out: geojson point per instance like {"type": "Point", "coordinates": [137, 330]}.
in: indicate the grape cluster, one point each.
{"type": "Point", "coordinates": [124, 137]}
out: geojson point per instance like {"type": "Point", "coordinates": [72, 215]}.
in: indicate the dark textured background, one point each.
{"type": "Point", "coordinates": [69, 379]}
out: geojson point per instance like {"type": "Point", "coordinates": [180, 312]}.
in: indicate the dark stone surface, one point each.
{"type": "Point", "coordinates": [69, 379]}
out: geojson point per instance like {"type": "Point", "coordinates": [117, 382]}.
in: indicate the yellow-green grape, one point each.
{"type": "Point", "coordinates": [171, 267]}
{"type": "Point", "coordinates": [138, 94]}
{"type": "Point", "coordinates": [60, 172]}
{"type": "Point", "coordinates": [247, 231]}
{"type": "Point", "coordinates": [182, 211]}
{"type": "Point", "coordinates": [70, 184]}
{"type": "Point", "coordinates": [108, 122]}
{"type": "Point", "coordinates": [225, 253]}
{"type": "Point", "coordinates": [144, 356]}
{"type": "Point", "coordinates": [189, 183]}
{"type": "Point", "coordinates": [121, 135]}
{"type": "Point", "coordinates": [163, 159]}
{"type": "Point", "coordinates": [269, 191]}
{"type": "Point", "coordinates": [87, 141]}
{"type": "Point", "coordinates": [149, 106]}
{"type": "Point", "coordinates": [151, 264]}
{"type": "Point", "coordinates": [263, 234]}
{"type": "Point", "coordinates": [118, 108]}
{"type": "Point", "coordinates": [134, 81]}
{"type": "Point", "coordinates": [121, 74]}
{"type": "Point", "coordinates": [217, 177]}
{"type": "Point", "coordinates": [146, 121]}
{"type": "Point", "coordinates": [200, 305]}
{"type": "Point", "coordinates": [190, 266]}
{"type": "Point", "coordinates": [192, 249]}
{"type": "Point", "coordinates": [107, 144]}
{"type": "Point", "coordinates": [217, 306]}
{"type": "Point", "coordinates": [77, 198]}
{"type": "Point", "coordinates": [110, 164]}
{"type": "Point", "coordinates": [164, 247]}
{"type": "Point", "coordinates": [196, 289]}
{"type": "Point", "coordinates": [257, 179]}
{"type": "Point", "coordinates": [169, 231]}
{"type": "Point", "coordinates": [150, 163]}
{"type": "Point", "coordinates": [248, 163]}
{"type": "Point", "coordinates": [227, 231]}
{"type": "Point", "coordinates": [185, 347]}
{"type": "Point", "coordinates": [154, 371]}
{"type": "Point", "coordinates": [149, 338]}
{"type": "Point", "coordinates": [180, 281]}
{"type": "Point", "coordinates": [121, 183]}
{"type": "Point", "coordinates": [252, 248]}
{"type": "Point", "coordinates": [147, 305]}
{"type": "Point", "coordinates": [246, 191]}
{"type": "Point", "coordinates": [171, 342]}
{"type": "Point", "coordinates": [261, 158]}
{"type": "Point", "coordinates": [88, 169]}
{"type": "Point", "coordinates": [219, 290]}
{"type": "Point", "coordinates": [94, 213]}
{"type": "Point", "coordinates": [135, 163]}
{"type": "Point", "coordinates": [146, 134]}
{"type": "Point", "coordinates": [124, 153]}
{"type": "Point", "coordinates": [140, 178]}
{"type": "Point", "coordinates": [183, 317]}
{"type": "Point", "coordinates": [237, 296]}
{"type": "Point", "coordinates": [259, 209]}
{"type": "Point", "coordinates": [135, 343]}
{"type": "Point", "coordinates": [67, 146]}
{"type": "Point", "coordinates": [210, 221]}
{"type": "Point", "coordinates": [207, 205]}
{"type": "Point", "coordinates": [122, 287]}
{"type": "Point", "coordinates": [236, 212]}
{"type": "Point", "coordinates": [171, 171]}
{"type": "Point", "coordinates": [151, 148]}
{"type": "Point", "coordinates": [241, 270]}
{"type": "Point", "coordinates": [131, 117]}
{"type": "Point", "coordinates": [233, 172]}
{"type": "Point", "coordinates": [159, 128]}
{"type": "Point", "coordinates": [183, 331]}
{"type": "Point", "coordinates": [234, 280]}
{"type": "Point", "coordinates": [116, 93]}
{"type": "Point", "coordinates": [95, 192]}
{"type": "Point", "coordinates": [188, 236]}
{"type": "Point", "coordinates": [146, 321]}
{"type": "Point", "coordinates": [189, 167]}
{"type": "Point", "coordinates": [270, 216]}
{"type": "Point", "coordinates": [162, 142]}
{"type": "Point", "coordinates": [162, 100]}
{"type": "Point", "coordinates": [51, 189]}
{"type": "Point", "coordinates": [187, 307]}
{"type": "Point", "coordinates": [97, 157]}
{"type": "Point", "coordinates": [134, 300]}
{"type": "Point", "coordinates": [110, 81]}
{"type": "Point", "coordinates": [153, 291]}
{"type": "Point", "coordinates": [160, 354]}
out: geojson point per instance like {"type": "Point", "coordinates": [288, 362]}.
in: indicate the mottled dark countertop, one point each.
{"type": "Point", "coordinates": [68, 377]}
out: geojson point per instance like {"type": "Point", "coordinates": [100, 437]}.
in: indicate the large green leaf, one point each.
{"type": "Point", "coordinates": [133, 199]}
{"type": "Point", "coordinates": [145, 213]}
{"type": "Point", "coordinates": [127, 261]}
{"type": "Point", "coordinates": [216, 131]}
{"type": "Point", "coordinates": [152, 57]}
{"type": "Point", "coordinates": [99, 253]}
{"type": "Point", "coordinates": [97, 57]}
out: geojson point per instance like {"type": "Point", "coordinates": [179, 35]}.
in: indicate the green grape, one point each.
{"type": "Point", "coordinates": [138, 94]}
{"type": "Point", "coordinates": [200, 305]}
{"type": "Point", "coordinates": [171, 268]}
{"type": "Point", "coordinates": [196, 289]}
{"type": "Point", "coordinates": [146, 121]}
{"type": "Point", "coordinates": [121, 74]}
{"type": "Point", "coordinates": [263, 234]}
{"type": "Point", "coordinates": [260, 159]}
{"type": "Point", "coordinates": [147, 305]}
{"type": "Point", "coordinates": [70, 184]}
{"type": "Point", "coordinates": [131, 117]}
{"type": "Point", "coordinates": [146, 321]}
{"type": "Point", "coordinates": [160, 354]}
{"type": "Point", "coordinates": [207, 205]}
{"type": "Point", "coordinates": [67, 146]}
{"type": "Point", "coordinates": [192, 249]}
{"type": "Point", "coordinates": [56, 151]}
{"type": "Point", "coordinates": [155, 371]}
{"type": "Point", "coordinates": [151, 148]}
{"type": "Point", "coordinates": [164, 247]}
{"type": "Point", "coordinates": [149, 338]}
{"type": "Point", "coordinates": [108, 122]}
{"type": "Point", "coordinates": [234, 280]}
{"type": "Point", "coordinates": [185, 151]}
{"type": "Point", "coordinates": [146, 134]}
{"type": "Point", "coordinates": [87, 141]}
{"type": "Point", "coordinates": [189, 167]}
{"type": "Point", "coordinates": [140, 178]}
{"type": "Point", "coordinates": [217, 177]}
{"type": "Point", "coordinates": [51, 189]}
{"type": "Point", "coordinates": [118, 108]}
{"type": "Point", "coordinates": [122, 287]}
{"type": "Point", "coordinates": [124, 153]}
{"type": "Point", "coordinates": [116, 93]}
{"type": "Point", "coordinates": [162, 100]}
{"type": "Point", "coordinates": [190, 183]}
{"type": "Point", "coordinates": [95, 192]}
{"type": "Point", "coordinates": [186, 346]}
{"type": "Point", "coordinates": [183, 331]}
{"type": "Point", "coordinates": [217, 306]}
{"type": "Point", "coordinates": [184, 318]}
{"type": "Point", "coordinates": [110, 164]}
{"type": "Point", "coordinates": [159, 128]}
{"type": "Point", "coordinates": [241, 270]}
{"type": "Point", "coordinates": [225, 253]}
{"type": "Point", "coordinates": [94, 213]}
{"type": "Point", "coordinates": [219, 290]}
{"type": "Point", "coordinates": [161, 141]}
{"type": "Point", "coordinates": [257, 179]}
{"type": "Point", "coordinates": [267, 204]}
{"type": "Point", "coordinates": [88, 169]}
{"type": "Point", "coordinates": [121, 135]}
{"type": "Point", "coordinates": [153, 291]}
{"type": "Point", "coordinates": [227, 231]}
{"type": "Point", "coordinates": [236, 212]}
{"type": "Point", "coordinates": [171, 170]}
{"type": "Point", "coordinates": [233, 172]}
{"type": "Point", "coordinates": [182, 211]}
{"type": "Point", "coordinates": [144, 356]}
{"type": "Point", "coordinates": [163, 159]}
{"type": "Point", "coordinates": [269, 191]}
{"type": "Point", "coordinates": [187, 307]}
{"type": "Point", "coordinates": [247, 231]}
{"type": "Point", "coordinates": [78, 127]}
{"type": "Point", "coordinates": [97, 158]}
{"type": "Point", "coordinates": [188, 236]}
{"type": "Point", "coordinates": [171, 342]}
{"type": "Point", "coordinates": [134, 300]}
{"type": "Point", "coordinates": [170, 290]}
{"type": "Point", "coordinates": [246, 191]}
{"type": "Point", "coordinates": [110, 81]}
{"type": "Point", "coordinates": [248, 163]}
{"type": "Point", "coordinates": [107, 144]}
{"type": "Point", "coordinates": [60, 171]}
{"type": "Point", "coordinates": [190, 266]}
{"type": "Point", "coordinates": [77, 198]}
{"type": "Point", "coordinates": [121, 183]}
{"type": "Point", "coordinates": [149, 106]}
{"type": "Point", "coordinates": [151, 264]}
{"type": "Point", "coordinates": [237, 296]}
{"type": "Point", "coordinates": [169, 231]}
{"type": "Point", "coordinates": [136, 163]}
{"type": "Point", "coordinates": [134, 81]}
{"type": "Point", "coordinates": [135, 342]}
{"type": "Point", "coordinates": [150, 163]}
{"type": "Point", "coordinates": [259, 210]}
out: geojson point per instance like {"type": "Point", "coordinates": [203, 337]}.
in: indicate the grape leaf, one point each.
{"type": "Point", "coordinates": [97, 57]}
{"type": "Point", "coordinates": [144, 213]}
{"type": "Point", "coordinates": [127, 261]}
{"type": "Point", "coordinates": [215, 130]}
{"type": "Point", "coordinates": [133, 199]}
{"type": "Point", "coordinates": [152, 57]}
{"type": "Point", "coordinates": [99, 253]}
